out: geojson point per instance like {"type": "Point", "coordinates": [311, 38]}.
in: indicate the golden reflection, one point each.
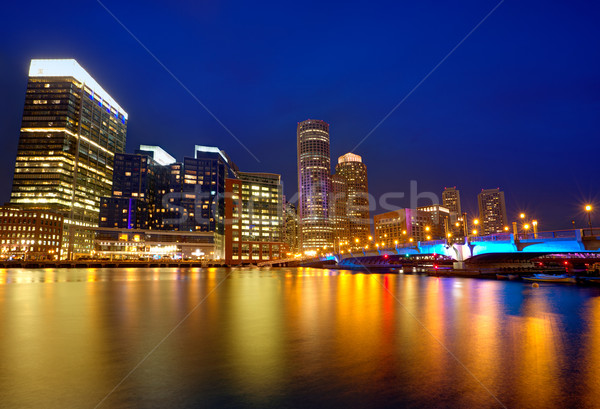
{"type": "Point", "coordinates": [591, 357]}
{"type": "Point", "coordinates": [537, 332]}
{"type": "Point", "coordinates": [255, 339]}
{"type": "Point", "coordinates": [131, 274]}
{"type": "Point", "coordinates": [92, 275]}
{"type": "Point", "coordinates": [484, 330]}
{"type": "Point", "coordinates": [263, 329]}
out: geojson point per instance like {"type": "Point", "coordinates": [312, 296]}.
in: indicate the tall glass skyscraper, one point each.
{"type": "Point", "coordinates": [71, 130]}
{"type": "Point", "coordinates": [314, 167]}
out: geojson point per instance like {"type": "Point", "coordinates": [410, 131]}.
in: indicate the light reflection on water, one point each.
{"type": "Point", "coordinates": [293, 338]}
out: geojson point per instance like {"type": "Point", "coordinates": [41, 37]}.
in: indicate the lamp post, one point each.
{"type": "Point", "coordinates": [475, 227]}
{"type": "Point", "coordinates": [588, 209]}
{"type": "Point", "coordinates": [524, 226]}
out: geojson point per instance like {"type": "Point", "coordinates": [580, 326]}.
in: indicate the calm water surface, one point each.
{"type": "Point", "coordinates": [291, 337]}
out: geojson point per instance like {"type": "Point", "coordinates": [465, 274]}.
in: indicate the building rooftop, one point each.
{"type": "Point", "coordinates": [71, 68]}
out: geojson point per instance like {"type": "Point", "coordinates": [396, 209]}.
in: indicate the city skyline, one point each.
{"type": "Point", "coordinates": [470, 111]}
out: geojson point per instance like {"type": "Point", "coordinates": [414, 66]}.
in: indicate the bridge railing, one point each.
{"type": "Point", "coordinates": [543, 235]}
{"type": "Point", "coordinates": [493, 237]}
{"type": "Point", "coordinates": [590, 232]}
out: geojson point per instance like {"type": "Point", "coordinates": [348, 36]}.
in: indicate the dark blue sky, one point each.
{"type": "Point", "coordinates": [516, 106]}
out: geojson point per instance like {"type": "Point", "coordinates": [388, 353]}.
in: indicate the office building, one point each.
{"type": "Point", "coordinates": [338, 219]}
{"type": "Point", "coordinates": [314, 168]}
{"type": "Point", "coordinates": [438, 223]}
{"type": "Point", "coordinates": [291, 228]}
{"type": "Point", "coordinates": [492, 211]}
{"type": "Point", "coordinates": [451, 201]}
{"type": "Point", "coordinates": [200, 184]}
{"type": "Point", "coordinates": [254, 215]}
{"type": "Point", "coordinates": [28, 234]}
{"type": "Point", "coordinates": [402, 225]}
{"type": "Point", "coordinates": [351, 170]}
{"type": "Point", "coordinates": [70, 132]}
{"type": "Point", "coordinates": [139, 184]}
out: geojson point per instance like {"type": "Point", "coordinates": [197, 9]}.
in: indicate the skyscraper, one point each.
{"type": "Point", "coordinates": [353, 172]}
{"type": "Point", "coordinates": [70, 132]}
{"type": "Point", "coordinates": [451, 201]}
{"type": "Point", "coordinates": [314, 167]}
{"type": "Point", "coordinates": [492, 211]}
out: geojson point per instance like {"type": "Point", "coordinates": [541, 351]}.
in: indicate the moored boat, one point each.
{"type": "Point", "coordinates": [511, 277]}
{"type": "Point", "coordinates": [590, 280]}
{"type": "Point", "coordinates": [551, 278]}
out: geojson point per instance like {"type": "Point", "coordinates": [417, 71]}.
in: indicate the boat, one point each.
{"type": "Point", "coordinates": [551, 278]}
{"type": "Point", "coordinates": [511, 277]}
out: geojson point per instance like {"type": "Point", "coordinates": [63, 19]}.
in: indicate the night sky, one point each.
{"type": "Point", "coordinates": [516, 106]}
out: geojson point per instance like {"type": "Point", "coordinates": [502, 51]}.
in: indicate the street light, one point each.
{"type": "Point", "coordinates": [588, 209]}
{"type": "Point", "coordinates": [475, 222]}
{"type": "Point", "coordinates": [474, 232]}
{"type": "Point", "coordinates": [526, 228]}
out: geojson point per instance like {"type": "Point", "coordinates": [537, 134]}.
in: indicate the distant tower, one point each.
{"type": "Point", "coordinates": [314, 167]}
{"type": "Point", "coordinates": [353, 172]}
{"type": "Point", "coordinates": [451, 201]}
{"type": "Point", "coordinates": [492, 211]}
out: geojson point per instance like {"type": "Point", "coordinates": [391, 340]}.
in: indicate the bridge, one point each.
{"type": "Point", "coordinates": [527, 245]}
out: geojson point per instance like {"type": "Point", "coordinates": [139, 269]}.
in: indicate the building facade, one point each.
{"type": "Point", "coordinates": [70, 132]}
{"type": "Point", "coordinates": [411, 225]}
{"type": "Point", "coordinates": [438, 224]}
{"type": "Point", "coordinates": [136, 244]}
{"type": "Point", "coordinates": [492, 211]}
{"type": "Point", "coordinates": [196, 197]}
{"type": "Point", "coordinates": [254, 214]}
{"type": "Point", "coordinates": [451, 201]}
{"type": "Point", "coordinates": [314, 168]}
{"type": "Point", "coordinates": [139, 184]}
{"type": "Point", "coordinates": [30, 234]}
{"type": "Point", "coordinates": [291, 228]}
{"type": "Point", "coordinates": [338, 217]}
{"type": "Point", "coordinates": [401, 225]}
{"type": "Point", "coordinates": [355, 198]}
